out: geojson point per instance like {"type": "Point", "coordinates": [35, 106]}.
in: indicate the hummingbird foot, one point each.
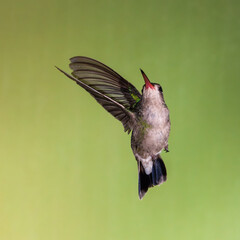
{"type": "Point", "coordinates": [166, 149]}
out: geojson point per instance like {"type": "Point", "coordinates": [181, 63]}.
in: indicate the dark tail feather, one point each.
{"type": "Point", "coordinates": [156, 177]}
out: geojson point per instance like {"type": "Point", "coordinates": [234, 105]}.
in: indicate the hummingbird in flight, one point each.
{"type": "Point", "coordinates": [145, 115]}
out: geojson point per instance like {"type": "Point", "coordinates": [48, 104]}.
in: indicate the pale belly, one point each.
{"type": "Point", "coordinates": [148, 145]}
{"type": "Point", "coordinates": [151, 131]}
{"type": "Point", "coordinates": [150, 142]}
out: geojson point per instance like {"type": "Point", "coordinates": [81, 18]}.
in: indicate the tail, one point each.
{"type": "Point", "coordinates": [156, 177]}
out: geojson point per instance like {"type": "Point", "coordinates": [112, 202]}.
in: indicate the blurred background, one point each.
{"type": "Point", "coordinates": [66, 167]}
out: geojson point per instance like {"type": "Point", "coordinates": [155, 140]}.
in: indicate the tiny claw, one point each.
{"type": "Point", "coordinates": [166, 149]}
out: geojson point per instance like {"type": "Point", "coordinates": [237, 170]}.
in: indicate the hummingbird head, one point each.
{"type": "Point", "coordinates": [151, 90]}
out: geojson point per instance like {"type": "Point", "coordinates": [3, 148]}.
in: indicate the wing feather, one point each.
{"type": "Point", "coordinates": [105, 80]}
{"type": "Point", "coordinates": [112, 91]}
{"type": "Point", "coordinates": [112, 106]}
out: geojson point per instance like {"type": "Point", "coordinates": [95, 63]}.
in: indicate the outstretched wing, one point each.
{"type": "Point", "coordinates": [113, 92]}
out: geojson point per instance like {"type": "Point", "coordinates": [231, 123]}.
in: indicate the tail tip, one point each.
{"type": "Point", "coordinates": [141, 194]}
{"type": "Point", "coordinates": [155, 178]}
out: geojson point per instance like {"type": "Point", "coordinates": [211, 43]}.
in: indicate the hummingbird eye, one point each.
{"type": "Point", "coordinates": [160, 89]}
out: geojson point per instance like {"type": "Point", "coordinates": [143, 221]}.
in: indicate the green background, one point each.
{"type": "Point", "coordinates": [66, 167]}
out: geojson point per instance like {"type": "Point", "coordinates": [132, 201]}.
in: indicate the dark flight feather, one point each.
{"type": "Point", "coordinates": [156, 177]}
{"type": "Point", "coordinates": [113, 92]}
{"type": "Point", "coordinates": [105, 80]}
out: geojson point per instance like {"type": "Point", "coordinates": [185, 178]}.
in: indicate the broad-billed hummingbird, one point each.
{"type": "Point", "coordinates": [146, 114]}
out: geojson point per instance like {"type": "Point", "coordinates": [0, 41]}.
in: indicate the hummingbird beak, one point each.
{"type": "Point", "coordinates": [147, 82]}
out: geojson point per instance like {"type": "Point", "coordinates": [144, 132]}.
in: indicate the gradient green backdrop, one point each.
{"type": "Point", "coordinates": [66, 166]}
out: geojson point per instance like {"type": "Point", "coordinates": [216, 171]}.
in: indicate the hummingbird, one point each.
{"type": "Point", "coordinates": [144, 114]}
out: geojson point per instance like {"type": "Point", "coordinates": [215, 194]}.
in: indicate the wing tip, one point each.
{"type": "Point", "coordinates": [59, 69]}
{"type": "Point", "coordinates": [80, 58]}
{"type": "Point", "coordinates": [66, 74]}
